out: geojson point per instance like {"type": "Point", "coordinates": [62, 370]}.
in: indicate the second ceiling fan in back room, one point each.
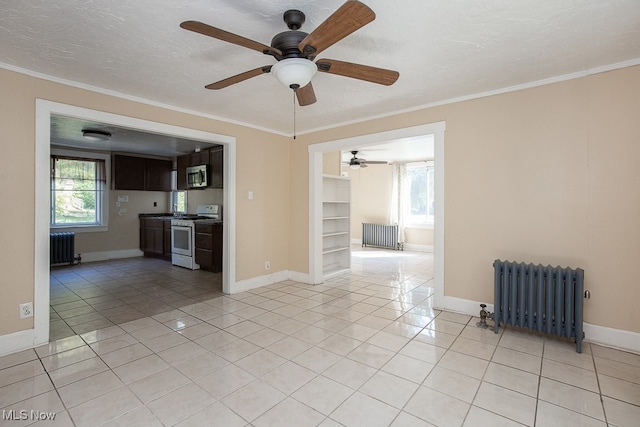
{"type": "Point", "coordinates": [295, 51]}
{"type": "Point", "coordinates": [358, 162]}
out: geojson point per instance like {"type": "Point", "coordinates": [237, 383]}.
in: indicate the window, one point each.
{"type": "Point", "coordinates": [77, 190]}
{"type": "Point", "coordinates": [420, 200]}
{"type": "Point", "coordinates": [178, 197]}
{"type": "Point", "coordinates": [179, 201]}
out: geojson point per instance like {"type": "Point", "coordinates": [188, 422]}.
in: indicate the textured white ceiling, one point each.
{"type": "Point", "coordinates": [443, 49]}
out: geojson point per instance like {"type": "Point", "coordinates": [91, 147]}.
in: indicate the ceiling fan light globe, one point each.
{"type": "Point", "coordinates": [294, 72]}
{"type": "Point", "coordinates": [354, 166]}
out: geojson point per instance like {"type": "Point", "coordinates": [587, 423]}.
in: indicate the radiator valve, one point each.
{"type": "Point", "coordinates": [483, 317]}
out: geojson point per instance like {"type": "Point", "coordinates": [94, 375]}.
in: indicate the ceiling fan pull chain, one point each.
{"type": "Point", "coordinates": [294, 114]}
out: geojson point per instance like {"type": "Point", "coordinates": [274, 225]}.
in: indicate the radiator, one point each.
{"type": "Point", "coordinates": [62, 248]}
{"type": "Point", "coordinates": [380, 235]}
{"type": "Point", "coordinates": [545, 299]}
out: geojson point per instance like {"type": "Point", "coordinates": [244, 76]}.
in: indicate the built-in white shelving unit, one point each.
{"type": "Point", "coordinates": [336, 223]}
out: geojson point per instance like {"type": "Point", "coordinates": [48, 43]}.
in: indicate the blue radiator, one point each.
{"type": "Point", "coordinates": [62, 248]}
{"type": "Point", "coordinates": [540, 298]}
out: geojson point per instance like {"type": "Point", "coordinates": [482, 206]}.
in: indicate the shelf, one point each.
{"type": "Point", "coordinates": [336, 225]}
{"type": "Point", "coordinates": [334, 249]}
{"type": "Point", "coordinates": [335, 233]}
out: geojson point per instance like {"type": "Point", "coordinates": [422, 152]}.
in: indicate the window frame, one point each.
{"type": "Point", "coordinates": [103, 203]}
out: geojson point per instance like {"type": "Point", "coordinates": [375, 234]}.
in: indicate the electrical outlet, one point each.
{"type": "Point", "coordinates": [26, 310]}
{"type": "Point", "coordinates": [267, 265]}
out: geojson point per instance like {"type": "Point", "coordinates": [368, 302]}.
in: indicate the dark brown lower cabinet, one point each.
{"type": "Point", "coordinates": [155, 237]}
{"type": "Point", "coordinates": [209, 246]}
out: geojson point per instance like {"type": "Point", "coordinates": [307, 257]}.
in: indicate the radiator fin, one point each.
{"type": "Point", "coordinates": [380, 235]}
{"type": "Point", "coordinates": [540, 298]}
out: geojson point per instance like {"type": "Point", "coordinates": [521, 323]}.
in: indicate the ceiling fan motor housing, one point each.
{"type": "Point", "coordinates": [287, 42]}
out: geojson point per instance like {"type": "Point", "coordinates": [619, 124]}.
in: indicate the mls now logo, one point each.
{"type": "Point", "coordinates": [32, 415]}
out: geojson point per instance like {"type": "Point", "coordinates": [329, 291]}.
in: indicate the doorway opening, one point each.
{"type": "Point", "coordinates": [44, 111]}
{"type": "Point", "coordinates": [316, 152]}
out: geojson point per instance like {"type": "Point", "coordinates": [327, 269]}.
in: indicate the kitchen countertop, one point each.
{"type": "Point", "coordinates": [194, 217]}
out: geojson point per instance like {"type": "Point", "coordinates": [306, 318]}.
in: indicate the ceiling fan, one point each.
{"type": "Point", "coordinates": [296, 50]}
{"type": "Point", "coordinates": [358, 162]}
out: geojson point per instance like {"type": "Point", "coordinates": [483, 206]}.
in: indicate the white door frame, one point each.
{"type": "Point", "coordinates": [44, 110]}
{"type": "Point", "coordinates": [315, 194]}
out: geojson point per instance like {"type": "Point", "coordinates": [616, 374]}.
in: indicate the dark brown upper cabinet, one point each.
{"type": "Point", "coordinates": [216, 162]}
{"type": "Point", "coordinates": [140, 173]}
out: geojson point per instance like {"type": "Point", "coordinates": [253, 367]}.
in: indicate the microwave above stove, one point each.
{"type": "Point", "coordinates": [198, 176]}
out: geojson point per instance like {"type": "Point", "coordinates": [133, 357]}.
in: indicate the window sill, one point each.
{"type": "Point", "coordinates": [423, 226]}
{"type": "Point", "coordinates": [79, 228]}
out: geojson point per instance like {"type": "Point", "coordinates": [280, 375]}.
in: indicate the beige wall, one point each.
{"type": "Point", "coordinates": [331, 163]}
{"type": "Point", "coordinates": [370, 196]}
{"type": "Point", "coordinates": [123, 232]}
{"type": "Point", "coordinates": [262, 166]}
{"type": "Point", "coordinates": [371, 189]}
{"type": "Point", "coordinates": [548, 174]}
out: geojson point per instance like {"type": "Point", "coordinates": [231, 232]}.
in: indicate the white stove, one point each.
{"type": "Point", "coordinates": [183, 231]}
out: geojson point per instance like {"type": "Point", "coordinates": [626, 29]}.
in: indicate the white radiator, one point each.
{"type": "Point", "coordinates": [380, 235]}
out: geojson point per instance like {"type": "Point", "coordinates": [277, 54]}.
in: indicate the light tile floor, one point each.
{"type": "Point", "coordinates": [365, 349]}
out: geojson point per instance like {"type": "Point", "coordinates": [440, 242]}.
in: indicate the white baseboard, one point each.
{"type": "Point", "coordinates": [18, 341]}
{"type": "Point", "coordinates": [460, 305]}
{"type": "Point", "coordinates": [259, 281]}
{"type": "Point", "coordinates": [615, 338]}
{"type": "Point", "coordinates": [107, 255]}
{"type": "Point", "coordinates": [418, 248]}
{"type": "Point", "coordinates": [407, 246]}
{"type": "Point", "coordinates": [300, 277]}
{"type": "Point", "coordinates": [609, 337]}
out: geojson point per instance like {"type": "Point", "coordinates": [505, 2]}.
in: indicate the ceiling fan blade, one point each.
{"type": "Point", "coordinates": [376, 162]}
{"type": "Point", "coordinates": [306, 95]}
{"type": "Point", "coordinates": [358, 71]}
{"type": "Point", "coordinates": [348, 18]}
{"type": "Point", "coordinates": [217, 33]}
{"type": "Point", "coordinates": [239, 77]}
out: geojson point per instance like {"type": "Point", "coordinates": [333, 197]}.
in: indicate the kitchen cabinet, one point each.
{"type": "Point", "coordinates": [214, 157]}
{"type": "Point", "coordinates": [128, 172]}
{"type": "Point", "coordinates": [216, 162]}
{"type": "Point", "coordinates": [182, 165]}
{"type": "Point", "coordinates": [140, 173]}
{"type": "Point", "coordinates": [199, 158]}
{"type": "Point", "coordinates": [167, 238]}
{"type": "Point", "coordinates": [155, 237]}
{"type": "Point", "coordinates": [208, 246]}
{"type": "Point", "coordinates": [157, 174]}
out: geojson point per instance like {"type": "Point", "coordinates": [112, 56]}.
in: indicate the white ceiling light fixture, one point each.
{"type": "Point", "coordinates": [294, 72]}
{"type": "Point", "coordinates": [96, 135]}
